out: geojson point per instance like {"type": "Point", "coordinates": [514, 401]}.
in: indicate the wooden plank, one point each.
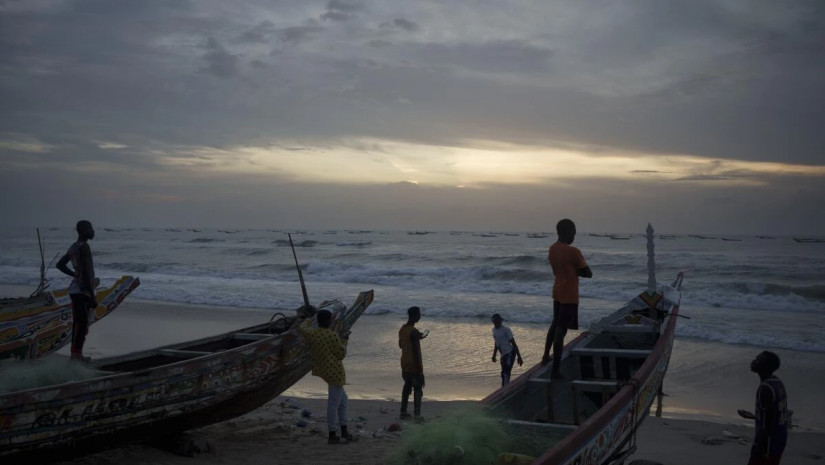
{"type": "Point", "coordinates": [627, 328]}
{"type": "Point", "coordinates": [251, 336]}
{"type": "Point", "coordinates": [537, 424]}
{"type": "Point", "coordinates": [184, 353]}
{"type": "Point", "coordinates": [595, 385]}
{"type": "Point", "coordinates": [608, 352]}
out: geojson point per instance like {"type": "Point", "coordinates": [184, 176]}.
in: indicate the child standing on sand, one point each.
{"type": "Point", "coordinates": [505, 343]}
{"type": "Point", "coordinates": [328, 352]}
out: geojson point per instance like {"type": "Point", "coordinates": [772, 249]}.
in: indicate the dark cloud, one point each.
{"type": "Point", "coordinates": [705, 78]}
{"type": "Point", "coordinates": [297, 34]}
{"type": "Point", "coordinates": [400, 23]}
{"type": "Point", "coordinates": [340, 11]}
{"type": "Point", "coordinates": [219, 61]}
{"type": "Point", "coordinates": [261, 33]}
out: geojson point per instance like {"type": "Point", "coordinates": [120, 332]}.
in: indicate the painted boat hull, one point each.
{"type": "Point", "coordinates": [161, 391]}
{"type": "Point", "coordinates": [34, 327]}
{"type": "Point", "coordinates": [604, 434]}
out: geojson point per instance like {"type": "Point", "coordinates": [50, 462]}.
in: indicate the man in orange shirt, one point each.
{"type": "Point", "coordinates": [568, 265]}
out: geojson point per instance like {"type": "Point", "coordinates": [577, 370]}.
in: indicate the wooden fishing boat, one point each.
{"type": "Point", "coordinates": [612, 374]}
{"type": "Point", "coordinates": [33, 327]}
{"type": "Point", "coordinates": [163, 390]}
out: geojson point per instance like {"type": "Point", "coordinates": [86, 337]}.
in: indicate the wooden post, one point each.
{"type": "Point", "coordinates": [651, 270]}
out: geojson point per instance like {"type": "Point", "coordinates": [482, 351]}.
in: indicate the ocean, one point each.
{"type": "Point", "coordinates": [741, 294]}
{"type": "Point", "coordinates": [768, 292]}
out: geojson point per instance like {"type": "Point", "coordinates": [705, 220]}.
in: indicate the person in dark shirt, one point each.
{"type": "Point", "coordinates": [771, 417]}
{"type": "Point", "coordinates": [82, 287]}
{"type": "Point", "coordinates": [412, 367]}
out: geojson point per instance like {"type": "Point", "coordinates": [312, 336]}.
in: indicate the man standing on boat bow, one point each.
{"type": "Point", "coordinates": [568, 265]}
{"type": "Point", "coordinates": [82, 288]}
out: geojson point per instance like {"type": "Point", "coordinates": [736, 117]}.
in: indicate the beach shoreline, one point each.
{"type": "Point", "coordinates": [687, 433]}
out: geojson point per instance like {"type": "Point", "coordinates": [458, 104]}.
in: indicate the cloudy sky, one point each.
{"type": "Point", "coordinates": [697, 116]}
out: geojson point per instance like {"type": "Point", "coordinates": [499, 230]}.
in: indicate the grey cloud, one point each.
{"type": "Point", "coordinates": [405, 24]}
{"type": "Point", "coordinates": [260, 33]}
{"type": "Point", "coordinates": [298, 34]}
{"type": "Point", "coordinates": [219, 61]}
{"type": "Point", "coordinates": [400, 23]}
{"type": "Point", "coordinates": [510, 56]}
{"type": "Point", "coordinates": [722, 83]}
{"type": "Point", "coordinates": [340, 11]}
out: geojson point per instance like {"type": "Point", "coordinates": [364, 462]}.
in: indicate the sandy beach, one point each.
{"type": "Point", "coordinates": [269, 435]}
{"type": "Point", "coordinates": [292, 429]}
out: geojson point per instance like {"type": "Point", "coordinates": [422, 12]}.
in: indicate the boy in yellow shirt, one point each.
{"type": "Point", "coordinates": [328, 352]}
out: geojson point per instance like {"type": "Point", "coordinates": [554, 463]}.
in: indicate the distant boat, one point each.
{"type": "Point", "coordinates": [537, 236]}
{"type": "Point", "coordinates": [418, 233]}
{"type": "Point", "coordinates": [731, 239]}
{"type": "Point", "coordinates": [808, 240]}
{"type": "Point", "coordinates": [765, 237]}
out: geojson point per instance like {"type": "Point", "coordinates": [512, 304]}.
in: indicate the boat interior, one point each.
{"type": "Point", "coordinates": [192, 349]}
{"type": "Point", "coordinates": [542, 410]}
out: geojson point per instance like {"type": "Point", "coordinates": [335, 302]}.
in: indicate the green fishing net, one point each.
{"type": "Point", "coordinates": [16, 375]}
{"type": "Point", "coordinates": [464, 436]}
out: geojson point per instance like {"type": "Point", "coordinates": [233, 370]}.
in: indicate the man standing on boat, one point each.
{"type": "Point", "coordinates": [412, 368]}
{"type": "Point", "coordinates": [505, 343]}
{"type": "Point", "coordinates": [328, 352]}
{"type": "Point", "coordinates": [82, 288]}
{"type": "Point", "coordinates": [771, 418]}
{"type": "Point", "coordinates": [568, 265]}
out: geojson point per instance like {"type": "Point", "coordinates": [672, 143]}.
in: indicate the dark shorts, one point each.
{"type": "Point", "coordinates": [566, 315]}
{"type": "Point", "coordinates": [415, 380]}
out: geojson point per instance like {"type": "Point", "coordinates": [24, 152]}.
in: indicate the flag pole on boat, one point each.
{"type": "Point", "coordinates": [651, 270]}
{"type": "Point", "coordinates": [300, 275]}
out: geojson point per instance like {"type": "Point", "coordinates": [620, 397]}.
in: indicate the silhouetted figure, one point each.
{"type": "Point", "coordinates": [412, 367]}
{"type": "Point", "coordinates": [82, 288]}
{"type": "Point", "coordinates": [771, 418]}
{"type": "Point", "coordinates": [568, 265]}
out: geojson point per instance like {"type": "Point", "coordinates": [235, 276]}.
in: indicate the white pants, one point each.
{"type": "Point", "coordinates": [337, 403]}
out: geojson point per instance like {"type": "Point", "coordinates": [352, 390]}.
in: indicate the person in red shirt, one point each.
{"type": "Point", "coordinates": [568, 265]}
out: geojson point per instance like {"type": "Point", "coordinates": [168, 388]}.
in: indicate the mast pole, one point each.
{"type": "Point", "coordinates": [651, 268]}
{"type": "Point", "coordinates": [300, 275]}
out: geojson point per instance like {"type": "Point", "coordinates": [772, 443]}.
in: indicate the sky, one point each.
{"type": "Point", "coordinates": [695, 116]}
